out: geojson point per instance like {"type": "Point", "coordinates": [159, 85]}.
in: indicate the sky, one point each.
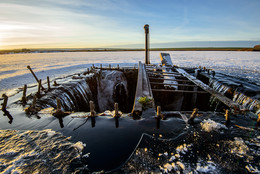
{"type": "Point", "coordinates": [119, 23]}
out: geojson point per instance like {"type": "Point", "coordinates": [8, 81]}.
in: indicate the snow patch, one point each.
{"type": "Point", "coordinates": [210, 125]}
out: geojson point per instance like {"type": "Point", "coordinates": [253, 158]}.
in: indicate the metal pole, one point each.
{"type": "Point", "coordinates": [146, 30]}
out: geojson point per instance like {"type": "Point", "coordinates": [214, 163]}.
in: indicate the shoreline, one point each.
{"type": "Point", "coordinates": [21, 51]}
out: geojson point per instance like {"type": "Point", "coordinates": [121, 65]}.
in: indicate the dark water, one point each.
{"type": "Point", "coordinates": [126, 145]}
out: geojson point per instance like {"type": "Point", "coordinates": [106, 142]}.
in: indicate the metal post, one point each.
{"type": "Point", "coordinates": [146, 30]}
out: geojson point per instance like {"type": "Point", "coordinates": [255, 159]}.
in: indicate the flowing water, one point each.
{"type": "Point", "coordinates": [37, 142]}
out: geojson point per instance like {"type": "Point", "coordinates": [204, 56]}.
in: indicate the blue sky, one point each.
{"type": "Point", "coordinates": [119, 23]}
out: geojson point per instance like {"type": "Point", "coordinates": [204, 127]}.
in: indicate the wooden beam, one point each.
{"type": "Point", "coordinates": [178, 91]}
{"type": "Point", "coordinates": [205, 87]}
{"type": "Point", "coordinates": [161, 83]}
{"type": "Point", "coordinates": [168, 75]}
{"type": "Point", "coordinates": [160, 72]}
{"type": "Point", "coordinates": [143, 89]}
{"type": "Point", "coordinates": [177, 80]}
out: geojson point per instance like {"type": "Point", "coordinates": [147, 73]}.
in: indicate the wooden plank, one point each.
{"type": "Point", "coordinates": [161, 83]}
{"type": "Point", "coordinates": [178, 91]}
{"type": "Point", "coordinates": [166, 74]}
{"type": "Point", "coordinates": [205, 87]}
{"type": "Point", "coordinates": [167, 68]}
{"type": "Point", "coordinates": [160, 72]}
{"type": "Point", "coordinates": [166, 60]}
{"type": "Point", "coordinates": [177, 80]}
{"type": "Point", "coordinates": [143, 89]}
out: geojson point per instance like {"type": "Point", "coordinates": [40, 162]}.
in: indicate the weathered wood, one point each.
{"type": "Point", "coordinates": [160, 72]}
{"type": "Point", "coordinates": [205, 87]}
{"type": "Point", "coordinates": [143, 89]}
{"type": "Point", "coordinates": [166, 68]}
{"type": "Point", "coordinates": [193, 115]}
{"type": "Point", "coordinates": [59, 113]}
{"type": "Point", "coordinates": [4, 104]}
{"type": "Point", "coordinates": [32, 109]}
{"type": "Point", "coordinates": [165, 57]}
{"type": "Point", "coordinates": [92, 109]}
{"type": "Point", "coordinates": [161, 83]}
{"type": "Point", "coordinates": [39, 88]}
{"type": "Point", "coordinates": [159, 114]}
{"type": "Point", "coordinates": [167, 75]}
{"type": "Point", "coordinates": [227, 117]}
{"type": "Point", "coordinates": [177, 80]}
{"type": "Point", "coordinates": [58, 105]}
{"type": "Point", "coordinates": [55, 83]}
{"type": "Point", "coordinates": [24, 94]}
{"type": "Point", "coordinates": [34, 101]}
{"type": "Point", "coordinates": [183, 116]}
{"type": "Point", "coordinates": [116, 114]}
{"type": "Point", "coordinates": [48, 82]}
{"type": "Point", "coordinates": [179, 91]}
{"type": "Point", "coordinates": [34, 75]}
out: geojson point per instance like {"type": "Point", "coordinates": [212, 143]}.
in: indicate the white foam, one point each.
{"type": "Point", "coordinates": [210, 125]}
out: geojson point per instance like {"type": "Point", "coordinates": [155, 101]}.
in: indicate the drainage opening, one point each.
{"type": "Point", "coordinates": [185, 96]}
{"type": "Point", "coordinates": [104, 88]}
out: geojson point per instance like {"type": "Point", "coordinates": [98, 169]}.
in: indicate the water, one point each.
{"type": "Point", "coordinates": [132, 145]}
{"type": "Point", "coordinates": [13, 71]}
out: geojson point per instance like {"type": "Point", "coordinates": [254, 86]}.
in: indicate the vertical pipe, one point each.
{"type": "Point", "coordinates": [146, 29]}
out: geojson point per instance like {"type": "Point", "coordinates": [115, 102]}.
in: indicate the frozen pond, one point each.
{"type": "Point", "coordinates": [13, 71]}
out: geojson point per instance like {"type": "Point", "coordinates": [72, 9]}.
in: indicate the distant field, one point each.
{"type": "Point", "coordinates": [118, 49]}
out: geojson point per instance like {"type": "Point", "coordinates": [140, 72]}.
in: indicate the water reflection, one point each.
{"type": "Point", "coordinates": [61, 122]}
{"type": "Point", "coordinates": [6, 113]}
{"type": "Point", "coordinates": [117, 122]}
{"type": "Point", "coordinates": [93, 121]}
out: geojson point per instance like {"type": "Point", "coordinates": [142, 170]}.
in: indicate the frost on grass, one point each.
{"type": "Point", "coordinates": [43, 151]}
{"type": "Point", "coordinates": [210, 125]}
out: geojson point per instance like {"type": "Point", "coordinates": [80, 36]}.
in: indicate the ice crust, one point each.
{"type": "Point", "coordinates": [43, 151]}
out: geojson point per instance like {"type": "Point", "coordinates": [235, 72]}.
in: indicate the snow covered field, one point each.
{"type": "Point", "coordinates": [14, 72]}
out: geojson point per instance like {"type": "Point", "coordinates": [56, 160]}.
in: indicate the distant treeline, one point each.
{"type": "Point", "coordinates": [24, 50]}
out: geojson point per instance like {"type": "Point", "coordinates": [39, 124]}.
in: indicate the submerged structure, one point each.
{"type": "Point", "coordinates": [151, 118]}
